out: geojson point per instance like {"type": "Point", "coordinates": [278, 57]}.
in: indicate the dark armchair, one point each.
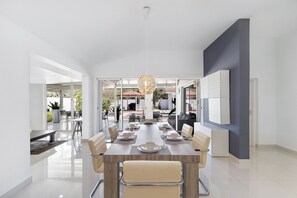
{"type": "Point", "coordinates": [183, 118]}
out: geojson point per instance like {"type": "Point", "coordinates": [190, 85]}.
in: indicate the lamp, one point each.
{"type": "Point", "coordinates": [146, 83]}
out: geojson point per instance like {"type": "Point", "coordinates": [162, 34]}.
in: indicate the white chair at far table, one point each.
{"type": "Point", "coordinates": [113, 132]}
{"type": "Point", "coordinates": [97, 147]}
{"type": "Point", "coordinates": [147, 179]}
{"type": "Point", "coordinates": [200, 143]}
{"type": "Point", "coordinates": [186, 131]}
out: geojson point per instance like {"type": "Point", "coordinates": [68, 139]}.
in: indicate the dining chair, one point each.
{"type": "Point", "coordinates": [147, 179]}
{"type": "Point", "coordinates": [200, 143]}
{"type": "Point", "coordinates": [187, 131]}
{"type": "Point", "coordinates": [97, 147]}
{"type": "Point", "coordinates": [113, 132]}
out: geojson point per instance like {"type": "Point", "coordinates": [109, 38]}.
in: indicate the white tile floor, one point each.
{"type": "Point", "coordinates": [66, 171]}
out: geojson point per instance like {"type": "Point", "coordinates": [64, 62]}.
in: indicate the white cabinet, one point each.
{"type": "Point", "coordinates": [219, 138]}
{"type": "Point", "coordinates": [219, 110]}
{"type": "Point", "coordinates": [215, 87]}
{"type": "Point", "coordinates": [218, 84]}
{"type": "Point", "coordinates": [204, 87]}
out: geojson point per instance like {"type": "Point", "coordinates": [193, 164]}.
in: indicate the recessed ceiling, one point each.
{"type": "Point", "coordinates": [98, 31]}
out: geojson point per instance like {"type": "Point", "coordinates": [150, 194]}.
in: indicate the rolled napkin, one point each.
{"type": "Point", "coordinates": [126, 134]}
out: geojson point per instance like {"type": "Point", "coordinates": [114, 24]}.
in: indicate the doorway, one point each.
{"type": "Point", "coordinates": [253, 111]}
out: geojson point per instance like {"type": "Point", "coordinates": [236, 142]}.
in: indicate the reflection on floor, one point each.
{"type": "Point", "coordinates": [66, 171]}
{"type": "Point", "coordinates": [56, 172]}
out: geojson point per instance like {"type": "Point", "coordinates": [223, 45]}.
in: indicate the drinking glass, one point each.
{"type": "Point", "coordinates": [163, 136]}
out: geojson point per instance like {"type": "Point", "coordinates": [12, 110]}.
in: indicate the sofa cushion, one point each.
{"type": "Point", "coordinates": [182, 116]}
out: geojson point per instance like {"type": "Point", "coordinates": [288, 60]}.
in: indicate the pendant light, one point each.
{"type": "Point", "coordinates": [146, 83]}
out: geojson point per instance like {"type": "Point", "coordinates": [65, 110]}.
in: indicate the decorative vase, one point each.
{"type": "Point", "coordinates": [56, 115]}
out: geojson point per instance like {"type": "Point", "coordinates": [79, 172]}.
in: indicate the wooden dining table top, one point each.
{"type": "Point", "coordinates": [151, 133]}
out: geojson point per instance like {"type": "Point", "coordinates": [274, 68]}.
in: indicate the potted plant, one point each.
{"type": "Point", "coordinates": [55, 111]}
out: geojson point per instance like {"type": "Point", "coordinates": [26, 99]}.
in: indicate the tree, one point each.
{"type": "Point", "coordinates": [78, 97]}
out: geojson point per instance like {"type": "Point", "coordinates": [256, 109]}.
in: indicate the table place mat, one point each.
{"type": "Point", "coordinates": [133, 141]}
{"type": "Point", "coordinates": [169, 142]}
{"type": "Point", "coordinates": [135, 151]}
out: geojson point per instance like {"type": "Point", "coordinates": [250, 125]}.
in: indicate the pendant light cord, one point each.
{"type": "Point", "coordinates": [146, 40]}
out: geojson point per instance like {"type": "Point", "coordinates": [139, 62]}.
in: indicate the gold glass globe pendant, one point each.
{"type": "Point", "coordinates": [146, 83]}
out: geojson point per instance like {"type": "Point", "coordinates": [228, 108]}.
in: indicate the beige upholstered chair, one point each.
{"type": "Point", "coordinates": [113, 132]}
{"type": "Point", "coordinates": [147, 179]}
{"type": "Point", "coordinates": [97, 147]}
{"type": "Point", "coordinates": [200, 143]}
{"type": "Point", "coordinates": [187, 131]}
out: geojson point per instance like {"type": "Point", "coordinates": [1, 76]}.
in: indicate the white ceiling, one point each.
{"type": "Point", "coordinates": [98, 31]}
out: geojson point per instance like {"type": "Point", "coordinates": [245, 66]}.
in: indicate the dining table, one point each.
{"type": "Point", "coordinates": [121, 151]}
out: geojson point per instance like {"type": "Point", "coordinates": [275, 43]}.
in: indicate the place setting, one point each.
{"type": "Point", "coordinates": [164, 126]}
{"type": "Point", "coordinates": [133, 126]}
{"type": "Point", "coordinates": [126, 137]}
{"type": "Point", "coordinates": [174, 138]}
{"type": "Point", "coordinates": [150, 148]}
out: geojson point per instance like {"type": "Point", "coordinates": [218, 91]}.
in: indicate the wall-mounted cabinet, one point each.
{"type": "Point", "coordinates": [204, 87]}
{"type": "Point", "coordinates": [215, 87]}
{"type": "Point", "coordinates": [218, 84]}
{"type": "Point", "coordinates": [219, 111]}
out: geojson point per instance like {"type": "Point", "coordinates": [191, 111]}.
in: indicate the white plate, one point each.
{"type": "Point", "coordinates": [120, 137]}
{"type": "Point", "coordinates": [170, 138]}
{"type": "Point", "coordinates": [145, 149]}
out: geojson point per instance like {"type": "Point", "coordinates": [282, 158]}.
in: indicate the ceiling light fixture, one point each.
{"type": "Point", "coordinates": [146, 83]}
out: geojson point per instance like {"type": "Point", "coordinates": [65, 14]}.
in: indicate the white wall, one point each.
{"type": "Point", "coordinates": [263, 63]}
{"type": "Point", "coordinates": [16, 45]}
{"type": "Point", "coordinates": [287, 91]}
{"type": "Point", "coordinates": [176, 64]}
{"type": "Point", "coordinates": [37, 106]}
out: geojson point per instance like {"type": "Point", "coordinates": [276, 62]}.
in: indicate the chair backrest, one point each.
{"type": "Point", "coordinates": [97, 146]}
{"type": "Point", "coordinates": [187, 131]}
{"type": "Point", "coordinates": [113, 132]}
{"type": "Point", "coordinates": [147, 179]}
{"type": "Point", "coordinates": [201, 141]}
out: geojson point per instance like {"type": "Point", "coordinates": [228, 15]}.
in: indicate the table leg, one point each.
{"type": "Point", "coordinates": [191, 176]}
{"type": "Point", "coordinates": [74, 130]}
{"type": "Point", "coordinates": [111, 180]}
{"type": "Point", "coordinates": [52, 137]}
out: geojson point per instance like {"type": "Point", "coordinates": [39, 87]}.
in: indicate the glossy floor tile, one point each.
{"type": "Point", "coordinates": [66, 171]}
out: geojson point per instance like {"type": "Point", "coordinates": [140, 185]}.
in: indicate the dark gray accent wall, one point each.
{"type": "Point", "coordinates": [231, 51]}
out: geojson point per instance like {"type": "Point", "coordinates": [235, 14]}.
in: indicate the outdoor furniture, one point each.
{"type": "Point", "coordinates": [182, 118]}
{"type": "Point", "coordinates": [105, 117]}
{"type": "Point", "coordinates": [77, 127]}
{"type": "Point", "coordinates": [38, 134]}
{"type": "Point", "coordinates": [176, 151]}
{"type": "Point", "coordinates": [133, 117]}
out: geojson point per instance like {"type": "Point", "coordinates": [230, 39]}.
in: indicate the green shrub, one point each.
{"type": "Point", "coordinates": [49, 116]}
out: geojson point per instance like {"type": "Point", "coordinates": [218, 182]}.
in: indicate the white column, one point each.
{"type": "Point", "coordinates": [61, 99]}
{"type": "Point", "coordinates": [149, 106]}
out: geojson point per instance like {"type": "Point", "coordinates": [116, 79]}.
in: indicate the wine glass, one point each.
{"type": "Point", "coordinates": [163, 136]}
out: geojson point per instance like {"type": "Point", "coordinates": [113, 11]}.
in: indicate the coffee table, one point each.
{"type": "Point", "coordinates": [38, 134]}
